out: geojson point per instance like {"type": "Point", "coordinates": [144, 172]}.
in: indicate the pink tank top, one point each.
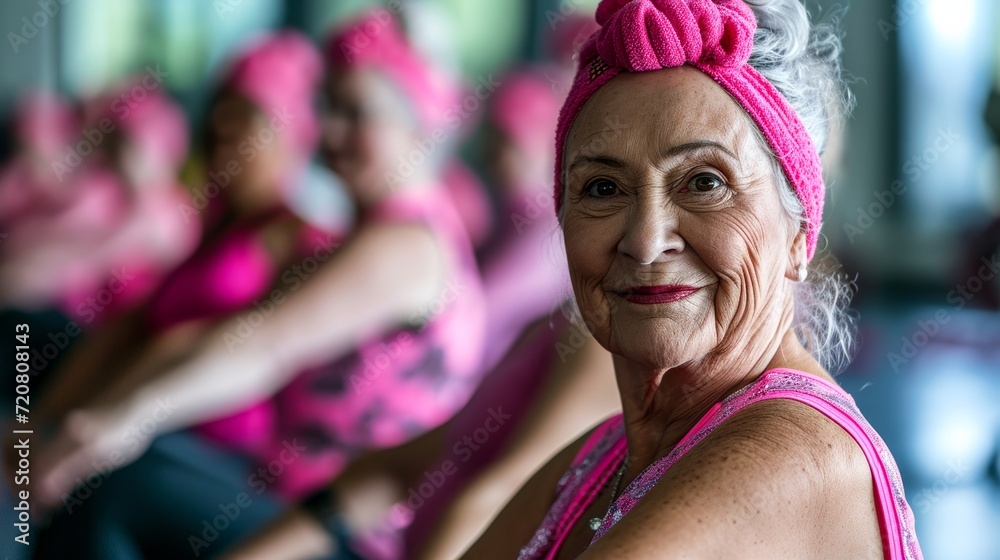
{"type": "Point", "coordinates": [605, 449]}
{"type": "Point", "coordinates": [391, 386]}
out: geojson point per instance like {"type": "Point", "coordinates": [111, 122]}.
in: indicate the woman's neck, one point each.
{"type": "Point", "coordinates": [661, 406]}
{"type": "Point", "coordinates": [415, 185]}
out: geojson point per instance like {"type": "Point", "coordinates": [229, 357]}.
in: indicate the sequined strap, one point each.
{"type": "Point", "coordinates": [588, 473]}
{"type": "Point", "coordinates": [895, 516]}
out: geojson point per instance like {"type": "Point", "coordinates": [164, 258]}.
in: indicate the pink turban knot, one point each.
{"type": "Point", "coordinates": [715, 36]}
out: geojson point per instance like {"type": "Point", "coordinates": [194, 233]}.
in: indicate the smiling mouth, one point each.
{"type": "Point", "coordinates": [653, 295]}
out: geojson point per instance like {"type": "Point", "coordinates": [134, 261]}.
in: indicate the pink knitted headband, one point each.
{"type": "Point", "coordinates": [715, 36]}
{"type": "Point", "coordinates": [375, 39]}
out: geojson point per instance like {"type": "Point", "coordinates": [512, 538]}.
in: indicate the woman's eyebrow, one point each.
{"type": "Point", "coordinates": [600, 160]}
{"type": "Point", "coordinates": [699, 145]}
{"type": "Point", "coordinates": [680, 149]}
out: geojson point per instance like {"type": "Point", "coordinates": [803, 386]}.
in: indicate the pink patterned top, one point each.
{"type": "Point", "coordinates": [605, 449]}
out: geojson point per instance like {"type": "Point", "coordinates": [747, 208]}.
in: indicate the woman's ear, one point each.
{"type": "Point", "coordinates": [798, 263]}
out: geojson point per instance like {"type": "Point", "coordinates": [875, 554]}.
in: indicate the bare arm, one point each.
{"type": "Point", "coordinates": [778, 480]}
{"type": "Point", "coordinates": [379, 279]}
{"type": "Point", "coordinates": [365, 492]}
{"type": "Point", "coordinates": [295, 535]}
{"type": "Point", "coordinates": [578, 392]}
{"type": "Point", "coordinates": [376, 281]}
{"type": "Point", "coordinates": [89, 364]}
{"type": "Point", "coordinates": [520, 518]}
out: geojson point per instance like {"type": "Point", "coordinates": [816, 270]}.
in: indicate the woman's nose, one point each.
{"type": "Point", "coordinates": [335, 130]}
{"type": "Point", "coordinates": [652, 233]}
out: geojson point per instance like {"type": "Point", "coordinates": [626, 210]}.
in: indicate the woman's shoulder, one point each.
{"type": "Point", "coordinates": [777, 479]}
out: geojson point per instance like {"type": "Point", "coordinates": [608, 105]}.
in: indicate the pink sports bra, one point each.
{"type": "Point", "coordinates": [605, 449]}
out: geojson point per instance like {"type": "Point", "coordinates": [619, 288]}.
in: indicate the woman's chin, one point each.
{"type": "Point", "coordinates": [655, 349]}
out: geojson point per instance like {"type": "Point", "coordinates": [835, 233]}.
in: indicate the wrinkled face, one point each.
{"type": "Point", "coordinates": [367, 129]}
{"type": "Point", "coordinates": [678, 246]}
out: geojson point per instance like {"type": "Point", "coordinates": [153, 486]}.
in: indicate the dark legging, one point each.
{"type": "Point", "coordinates": [184, 498]}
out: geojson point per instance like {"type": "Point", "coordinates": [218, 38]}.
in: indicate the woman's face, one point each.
{"type": "Point", "coordinates": [521, 172]}
{"type": "Point", "coordinates": [245, 142]}
{"type": "Point", "coordinates": [367, 132]}
{"type": "Point", "coordinates": [677, 242]}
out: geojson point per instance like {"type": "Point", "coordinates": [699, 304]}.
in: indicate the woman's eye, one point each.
{"type": "Point", "coordinates": [601, 188]}
{"type": "Point", "coordinates": [705, 182]}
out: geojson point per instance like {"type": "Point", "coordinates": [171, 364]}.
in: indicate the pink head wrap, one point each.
{"type": "Point", "coordinates": [376, 40]}
{"type": "Point", "coordinates": [569, 36]}
{"type": "Point", "coordinates": [279, 73]}
{"type": "Point", "coordinates": [155, 123]}
{"type": "Point", "coordinates": [45, 121]}
{"type": "Point", "coordinates": [715, 36]}
{"type": "Point", "coordinates": [525, 108]}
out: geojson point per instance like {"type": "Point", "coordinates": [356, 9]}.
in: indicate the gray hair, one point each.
{"type": "Point", "coordinates": [802, 60]}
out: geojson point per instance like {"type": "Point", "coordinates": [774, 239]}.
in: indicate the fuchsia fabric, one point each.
{"type": "Point", "coordinates": [44, 125]}
{"type": "Point", "coordinates": [388, 389]}
{"type": "Point", "coordinates": [221, 278]}
{"type": "Point", "coordinates": [471, 199]}
{"type": "Point", "coordinates": [715, 36]}
{"type": "Point", "coordinates": [603, 452]}
{"type": "Point", "coordinates": [45, 122]}
{"type": "Point", "coordinates": [394, 385]}
{"type": "Point", "coordinates": [155, 125]}
{"type": "Point", "coordinates": [376, 40]}
{"type": "Point", "coordinates": [525, 108]}
{"type": "Point", "coordinates": [280, 73]}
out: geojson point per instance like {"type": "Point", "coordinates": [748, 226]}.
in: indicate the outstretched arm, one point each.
{"type": "Point", "coordinates": [379, 279]}
{"type": "Point", "coordinates": [579, 391]}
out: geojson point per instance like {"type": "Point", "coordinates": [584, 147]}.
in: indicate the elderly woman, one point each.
{"type": "Point", "coordinates": [690, 193]}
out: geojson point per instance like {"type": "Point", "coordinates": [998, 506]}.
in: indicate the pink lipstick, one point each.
{"type": "Point", "coordinates": [652, 295]}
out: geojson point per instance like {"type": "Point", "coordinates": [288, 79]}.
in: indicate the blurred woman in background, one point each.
{"type": "Point", "coordinates": [397, 308]}
{"type": "Point", "coordinates": [547, 379]}
{"type": "Point", "coordinates": [106, 223]}
{"type": "Point", "coordinates": [524, 266]}
{"type": "Point", "coordinates": [255, 152]}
